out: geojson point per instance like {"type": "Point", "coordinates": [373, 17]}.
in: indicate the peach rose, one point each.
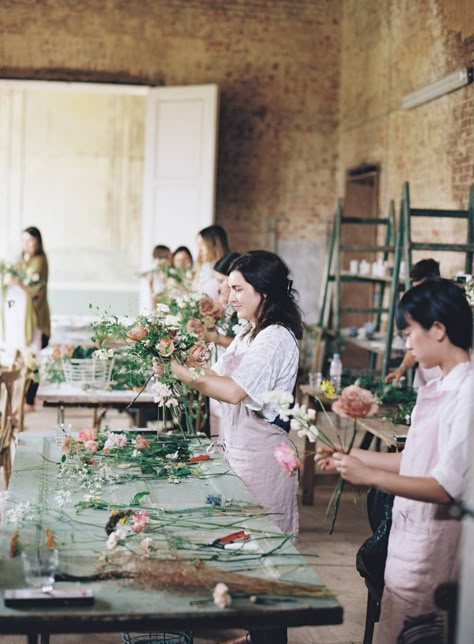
{"type": "Point", "coordinates": [56, 353]}
{"type": "Point", "coordinates": [355, 402]}
{"type": "Point", "coordinates": [141, 443]}
{"type": "Point", "coordinates": [197, 354]}
{"type": "Point", "coordinates": [165, 346]}
{"type": "Point", "coordinates": [87, 435]}
{"type": "Point", "coordinates": [138, 332]}
{"type": "Point", "coordinates": [196, 327]}
{"type": "Point", "coordinates": [207, 306]}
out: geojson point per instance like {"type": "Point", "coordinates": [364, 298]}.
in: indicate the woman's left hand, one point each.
{"type": "Point", "coordinates": [352, 469]}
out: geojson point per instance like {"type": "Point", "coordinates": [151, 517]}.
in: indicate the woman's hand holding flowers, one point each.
{"type": "Point", "coordinates": [352, 469]}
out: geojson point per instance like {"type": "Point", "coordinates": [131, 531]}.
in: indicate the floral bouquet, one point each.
{"type": "Point", "coordinates": [353, 403]}
{"type": "Point", "coordinates": [169, 333]}
{"type": "Point", "coordinates": [24, 274]}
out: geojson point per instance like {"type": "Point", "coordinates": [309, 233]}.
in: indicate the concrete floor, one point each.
{"type": "Point", "coordinates": [335, 564]}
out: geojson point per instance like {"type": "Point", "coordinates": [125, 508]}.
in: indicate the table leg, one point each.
{"type": "Point", "coordinates": [308, 473]}
{"type": "Point", "coordinates": [38, 638]}
{"type": "Point", "coordinates": [61, 415]}
{"type": "Point", "coordinates": [141, 416]}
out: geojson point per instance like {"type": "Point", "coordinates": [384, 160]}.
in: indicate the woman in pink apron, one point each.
{"type": "Point", "coordinates": [431, 472]}
{"type": "Point", "coordinates": [262, 358]}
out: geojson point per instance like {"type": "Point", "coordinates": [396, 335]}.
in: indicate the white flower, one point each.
{"type": "Point", "coordinates": [62, 497]}
{"type": "Point", "coordinates": [162, 392]}
{"type": "Point", "coordinates": [173, 457]}
{"type": "Point", "coordinates": [162, 308]}
{"type": "Point", "coordinates": [171, 321]}
{"type": "Point", "coordinates": [135, 453]}
{"type": "Point", "coordinates": [221, 596]}
{"type": "Point", "coordinates": [22, 512]}
{"type": "Point", "coordinates": [145, 547]}
{"type": "Point", "coordinates": [103, 354]}
{"type": "Point", "coordinates": [171, 402]}
{"type": "Point", "coordinates": [115, 537]}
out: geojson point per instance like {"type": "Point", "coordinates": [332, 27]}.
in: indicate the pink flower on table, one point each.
{"type": "Point", "coordinates": [91, 446]}
{"type": "Point", "coordinates": [221, 596]}
{"type": "Point", "coordinates": [137, 333]}
{"type": "Point", "coordinates": [85, 435]}
{"type": "Point", "coordinates": [165, 346]}
{"type": "Point", "coordinates": [115, 441]}
{"type": "Point", "coordinates": [355, 402]}
{"type": "Point", "coordinates": [196, 327]}
{"type": "Point", "coordinates": [287, 458]}
{"type": "Point", "coordinates": [140, 521]}
{"type": "Point", "coordinates": [141, 443]}
{"type": "Point", "coordinates": [197, 354]}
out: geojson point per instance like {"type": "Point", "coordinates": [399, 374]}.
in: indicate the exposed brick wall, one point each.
{"type": "Point", "coordinates": [391, 48]}
{"type": "Point", "coordinates": [276, 63]}
{"type": "Point", "coordinates": [309, 88]}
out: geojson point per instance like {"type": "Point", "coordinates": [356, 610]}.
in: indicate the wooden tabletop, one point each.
{"type": "Point", "coordinates": [121, 605]}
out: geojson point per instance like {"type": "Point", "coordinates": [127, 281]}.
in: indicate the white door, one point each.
{"type": "Point", "coordinates": [179, 171]}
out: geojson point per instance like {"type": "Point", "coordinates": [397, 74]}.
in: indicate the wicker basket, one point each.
{"type": "Point", "coordinates": [90, 372]}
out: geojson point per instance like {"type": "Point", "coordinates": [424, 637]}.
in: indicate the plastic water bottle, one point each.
{"type": "Point", "coordinates": [335, 371]}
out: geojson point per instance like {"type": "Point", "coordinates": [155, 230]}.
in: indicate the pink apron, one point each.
{"type": "Point", "coordinates": [424, 542]}
{"type": "Point", "coordinates": [249, 441]}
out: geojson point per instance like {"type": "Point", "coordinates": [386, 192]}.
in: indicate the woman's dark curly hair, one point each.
{"type": "Point", "coordinates": [269, 276]}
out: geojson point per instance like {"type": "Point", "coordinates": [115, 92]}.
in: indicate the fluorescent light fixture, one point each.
{"type": "Point", "coordinates": [447, 84]}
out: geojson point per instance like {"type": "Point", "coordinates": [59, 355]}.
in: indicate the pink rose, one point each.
{"type": "Point", "coordinates": [138, 332]}
{"type": "Point", "coordinates": [287, 458]}
{"type": "Point", "coordinates": [141, 443]}
{"type": "Point", "coordinates": [91, 446]}
{"type": "Point", "coordinates": [165, 346]}
{"type": "Point", "coordinates": [87, 435]}
{"type": "Point", "coordinates": [196, 327]}
{"type": "Point", "coordinates": [197, 354]}
{"type": "Point", "coordinates": [355, 402]}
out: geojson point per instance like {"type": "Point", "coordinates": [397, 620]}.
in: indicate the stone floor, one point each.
{"type": "Point", "coordinates": [335, 563]}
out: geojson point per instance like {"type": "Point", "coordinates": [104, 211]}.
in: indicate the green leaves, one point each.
{"type": "Point", "coordinates": [135, 501]}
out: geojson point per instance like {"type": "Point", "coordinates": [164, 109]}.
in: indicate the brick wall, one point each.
{"type": "Point", "coordinates": [391, 48]}
{"type": "Point", "coordinates": [277, 66]}
{"type": "Point", "coordinates": [309, 88]}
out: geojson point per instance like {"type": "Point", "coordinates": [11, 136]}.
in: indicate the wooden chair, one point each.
{"type": "Point", "coordinates": [9, 381]}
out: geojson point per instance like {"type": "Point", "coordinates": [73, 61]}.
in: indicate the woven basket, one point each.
{"type": "Point", "coordinates": [92, 372]}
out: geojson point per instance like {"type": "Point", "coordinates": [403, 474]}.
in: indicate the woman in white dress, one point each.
{"type": "Point", "coordinates": [212, 245]}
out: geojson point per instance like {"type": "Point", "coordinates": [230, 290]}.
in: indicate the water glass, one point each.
{"type": "Point", "coordinates": [39, 567]}
{"type": "Point", "coordinates": [61, 430]}
{"type": "Point", "coordinates": [315, 379]}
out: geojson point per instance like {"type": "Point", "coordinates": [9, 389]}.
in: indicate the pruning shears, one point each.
{"type": "Point", "coordinates": [229, 539]}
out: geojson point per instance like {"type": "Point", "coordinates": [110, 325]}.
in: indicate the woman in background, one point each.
{"type": "Point", "coordinates": [182, 259]}
{"type": "Point", "coordinates": [212, 245]}
{"type": "Point", "coordinates": [27, 313]}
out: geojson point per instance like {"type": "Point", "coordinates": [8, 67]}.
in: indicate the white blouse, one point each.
{"type": "Point", "coordinates": [268, 363]}
{"type": "Point", "coordinates": [457, 429]}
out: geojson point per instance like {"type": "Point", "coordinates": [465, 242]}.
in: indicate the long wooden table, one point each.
{"type": "Point", "coordinates": [124, 606]}
{"type": "Point", "coordinates": [62, 395]}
